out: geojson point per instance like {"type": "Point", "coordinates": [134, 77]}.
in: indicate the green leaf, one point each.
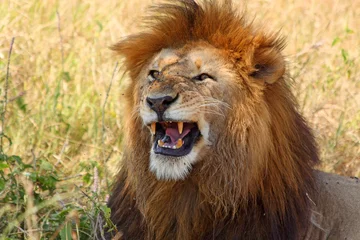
{"type": "Point", "coordinates": [21, 104]}
{"type": "Point", "coordinates": [106, 210]}
{"type": "Point", "coordinates": [46, 166]}
{"type": "Point", "coordinates": [335, 41]}
{"type": "Point", "coordinates": [348, 30]}
{"type": "Point", "coordinates": [32, 176]}
{"type": "Point", "coordinates": [66, 76]}
{"type": "Point", "coordinates": [47, 182]}
{"type": "Point", "coordinates": [3, 157]}
{"type": "Point", "coordinates": [3, 166]}
{"type": "Point", "coordinates": [345, 55]}
{"type": "Point", "coordinates": [16, 159]}
{"type": "Point", "coordinates": [25, 166]}
{"type": "Point", "coordinates": [87, 178]}
{"type": "Point", "coordinates": [2, 185]}
{"type": "Point", "coordinates": [99, 25]}
{"type": "Point", "coordinates": [65, 233]}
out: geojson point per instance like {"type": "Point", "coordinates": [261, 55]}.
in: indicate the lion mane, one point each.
{"type": "Point", "coordinates": [256, 179]}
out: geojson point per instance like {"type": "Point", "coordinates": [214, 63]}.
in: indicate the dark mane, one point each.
{"type": "Point", "coordinates": [256, 182]}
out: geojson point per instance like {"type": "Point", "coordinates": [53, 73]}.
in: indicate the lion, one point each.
{"type": "Point", "coordinates": [214, 145]}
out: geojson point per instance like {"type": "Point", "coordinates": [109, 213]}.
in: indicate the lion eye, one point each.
{"type": "Point", "coordinates": [202, 77]}
{"type": "Point", "coordinates": [153, 75]}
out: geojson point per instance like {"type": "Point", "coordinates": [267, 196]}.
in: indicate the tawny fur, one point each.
{"type": "Point", "coordinates": [256, 179]}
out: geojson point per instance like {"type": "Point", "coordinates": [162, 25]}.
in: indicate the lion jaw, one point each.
{"type": "Point", "coordinates": [179, 167]}
{"type": "Point", "coordinates": [172, 168]}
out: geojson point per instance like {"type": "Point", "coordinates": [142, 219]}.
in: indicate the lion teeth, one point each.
{"type": "Point", "coordinates": [153, 128]}
{"type": "Point", "coordinates": [161, 143]}
{"type": "Point", "coordinates": [180, 127]}
{"type": "Point", "coordinates": [179, 143]}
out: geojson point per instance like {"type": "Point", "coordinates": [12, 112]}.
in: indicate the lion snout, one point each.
{"type": "Point", "coordinates": [160, 104]}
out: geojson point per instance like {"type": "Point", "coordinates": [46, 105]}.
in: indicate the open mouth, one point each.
{"type": "Point", "coordinates": [174, 138]}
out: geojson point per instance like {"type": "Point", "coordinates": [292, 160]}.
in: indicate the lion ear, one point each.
{"type": "Point", "coordinates": [268, 65]}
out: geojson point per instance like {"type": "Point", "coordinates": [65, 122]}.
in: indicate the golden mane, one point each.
{"type": "Point", "coordinates": [267, 178]}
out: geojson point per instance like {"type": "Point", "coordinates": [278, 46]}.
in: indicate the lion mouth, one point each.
{"type": "Point", "coordinates": [174, 138]}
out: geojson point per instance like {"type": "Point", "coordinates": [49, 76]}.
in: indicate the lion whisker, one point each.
{"type": "Point", "coordinates": [217, 101]}
{"type": "Point", "coordinates": [212, 112]}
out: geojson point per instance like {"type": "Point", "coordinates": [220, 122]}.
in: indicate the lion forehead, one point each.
{"type": "Point", "coordinates": [191, 60]}
{"type": "Point", "coordinates": [165, 58]}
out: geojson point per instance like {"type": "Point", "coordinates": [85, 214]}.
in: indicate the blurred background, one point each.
{"type": "Point", "coordinates": [61, 104]}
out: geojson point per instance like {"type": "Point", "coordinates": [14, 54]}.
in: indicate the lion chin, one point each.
{"type": "Point", "coordinates": [215, 147]}
{"type": "Point", "coordinates": [172, 168]}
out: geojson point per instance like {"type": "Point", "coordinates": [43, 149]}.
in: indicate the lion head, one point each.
{"type": "Point", "coordinates": [211, 128]}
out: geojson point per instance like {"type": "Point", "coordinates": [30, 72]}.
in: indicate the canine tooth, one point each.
{"type": "Point", "coordinates": [179, 143]}
{"type": "Point", "coordinates": [161, 143]}
{"type": "Point", "coordinates": [180, 127]}
{"type": "Point", "coordinates": [153, 128]}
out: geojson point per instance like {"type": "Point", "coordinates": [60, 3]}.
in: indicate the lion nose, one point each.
{"type": "Point", "coordinates": [159, 105]}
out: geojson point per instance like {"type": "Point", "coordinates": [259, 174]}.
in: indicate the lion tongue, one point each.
{"type": "Point", "coordinates": [174, 134]}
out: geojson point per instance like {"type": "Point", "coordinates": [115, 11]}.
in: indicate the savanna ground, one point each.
{"type": "Point", "coordinates": [61, 106]}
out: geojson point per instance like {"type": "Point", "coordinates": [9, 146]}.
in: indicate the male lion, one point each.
{"type": "Point", "coordinates": [215, 147]}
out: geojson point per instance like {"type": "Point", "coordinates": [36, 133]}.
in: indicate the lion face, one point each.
{"type": "Point", "coordinates": [184, 104]}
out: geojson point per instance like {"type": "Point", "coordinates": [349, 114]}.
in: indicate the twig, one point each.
{"type": "Point", "coordinates": [34, 158]}
{"type": "Point", "coordinates": [85, 194]}
{"type": "Point", "coordinates": [103, 124]}
{"type": "Point", "coordinates": [106, 98]}
{"type": "Point", "coordinates": [5, 97]}
{"type": "Point", "coordinates": [21, 230]}
{"type": "Point", "coordinates": [99, 223]}
{"type": "Point", "coordinates": [71, 177]}
{"type": "Point", "coordinates": [16, 97]}
{"type": "Point", "coordinates": [58, 157]}
{"type": "Point", "coordinates": [109, 156]}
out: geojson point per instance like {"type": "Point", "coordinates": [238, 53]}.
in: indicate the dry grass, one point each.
{"type": "Point", "coordinates": [61, 69]}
